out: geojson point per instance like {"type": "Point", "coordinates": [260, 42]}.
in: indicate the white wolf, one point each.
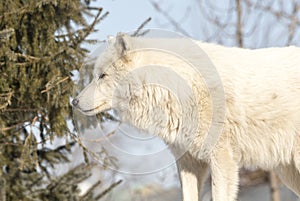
{"type": "Point", "coordinates": [261, 126]}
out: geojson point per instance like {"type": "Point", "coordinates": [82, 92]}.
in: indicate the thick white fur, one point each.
{"type": "Point", "coordinates": [262, 114]}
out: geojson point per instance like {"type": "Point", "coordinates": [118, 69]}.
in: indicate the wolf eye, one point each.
{"type": "Point", "coordinates": [102, 75]}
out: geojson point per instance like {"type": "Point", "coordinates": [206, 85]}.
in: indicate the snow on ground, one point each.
{"type": "Point", "coordinates": [138, 153]}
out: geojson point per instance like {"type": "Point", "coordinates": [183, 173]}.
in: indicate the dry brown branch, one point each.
{"type": "Point", "coordinates": [107, 160]}
{"type": "Point", "coordinates": [13, 127]}
{"type": "Point", "coordinates": [27, 57]}
{"type": "Point", "coordinates": [91, 27]}
{"type": "Point", "coordinates": [239, 25]}
{"type": "Point", "coordinates": [50, 85]}
{"type": "Point", "coordinates": [20, 110]}
{"type": "Point", "coordinates": [170, 19]}
{"type": "Point", "coordinates": [5, 99]}
{"type": "Point", "coordinates": [252, 178]}
{"type": "Point", "coordinates": [222, 24]}
{"type": "Point", "coordinates": [91, 189]}
{"type": "Point", "coordinates": [275, 194]}
{"type": "Point", "coordinates": [293, 24]}
{"type": "Point", "coordinates": [138, 31]}
{"type": "Point", "coordinates": [108, 189]}
{"type": "Point", "coordinates": [280, 14]}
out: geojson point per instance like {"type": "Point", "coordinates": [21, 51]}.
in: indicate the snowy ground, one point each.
{"type": "Point", "coordinates": [148, 170]}
{"type": "Point", "coordinates": [154, 193]}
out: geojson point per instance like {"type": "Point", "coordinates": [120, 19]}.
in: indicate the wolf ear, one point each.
{"type": "Point", "coordinates": [122, 43]}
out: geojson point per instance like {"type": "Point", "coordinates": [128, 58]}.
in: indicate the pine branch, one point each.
{"type": "Point", "coordinates": [6, 33]}
{"type": "Point", "coordinates": [51, 85]}
{"type": "Point", "coordinates": [2, 189]}
{"type": "Point", "coordinates": [20, 110]}
{"type": "Point", "coordinates": [90, 191]}
{"type": "Point", "coordinates": [64, 179]}
{"type": "Point", "coordinates": [110, 188]}
{"type": "Point", "coordinates": [6, 98]}
{"type": "Point", "coordinates": [27, 57]}
{"type": "Point", "coordinates": [34, 61]}
{"type": "Point", "coordinates": [98, 18]}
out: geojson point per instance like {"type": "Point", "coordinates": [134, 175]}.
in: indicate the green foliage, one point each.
{"type": "Point", "coordinates": [40, 45]}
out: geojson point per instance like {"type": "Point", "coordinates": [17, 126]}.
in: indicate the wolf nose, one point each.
{"type": "Point", "coordinates": [75, 102]}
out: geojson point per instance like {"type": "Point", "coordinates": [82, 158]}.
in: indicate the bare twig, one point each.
{"type": "Point", "coordinates": [293, 24]}
{"type": "Point", "coordinates": [275, 195]}
{"type": "Point", "coordinates": [96, 20]}
{"type": "Point", "coordinates": [91, 189]}
{"type": "Point", "coordinates": [13, 126]}
{"type": "Point", "coordinates": [170, 19]}
{"type": "Point", "coordinates": [239, 25]}
{"type": "Point", "coordinates": [221, 23]}
{"type": "Point", "coordinates": [281, 14]}
{"type": "Point", "coordinates": [50, 85]}
{"type": "Point", "coordinates": [20, 110]}
{"type": "Point", "coordinates": [6, 98]}
{"type": "Point", "coordinates": [139, 29]}
{"type": "Point", "coordinates": [108, 190]}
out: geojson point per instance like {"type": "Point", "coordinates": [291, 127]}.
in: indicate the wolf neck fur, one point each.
{"type": "Point", "coordinates": [157, 106]}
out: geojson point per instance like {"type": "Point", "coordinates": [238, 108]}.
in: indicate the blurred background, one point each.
{"type": "Point", "coordinates": [43, 46]}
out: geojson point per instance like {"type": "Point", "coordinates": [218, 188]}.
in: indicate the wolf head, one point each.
{"type": "Point", "coordinates": [109, 69]}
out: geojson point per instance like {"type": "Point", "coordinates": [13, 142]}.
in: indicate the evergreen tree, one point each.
{"type": "Point", "coordinates": [40, 45]}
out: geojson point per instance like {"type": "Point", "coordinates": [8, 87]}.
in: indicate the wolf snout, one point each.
{"type": "Point", "coordinates": [75, 102]}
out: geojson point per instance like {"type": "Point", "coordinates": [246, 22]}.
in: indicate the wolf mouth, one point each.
{"type": "Point", "coordinates": [96, 108]}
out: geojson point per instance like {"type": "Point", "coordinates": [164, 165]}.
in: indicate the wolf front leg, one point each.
{"type": "Point", "coordinates": [192, 174]}
{"type": "Point", "coordinates": [225, 178]}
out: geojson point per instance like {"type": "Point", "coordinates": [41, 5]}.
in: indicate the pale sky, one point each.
{"type": "Point", "coordinates": [126, 16]}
